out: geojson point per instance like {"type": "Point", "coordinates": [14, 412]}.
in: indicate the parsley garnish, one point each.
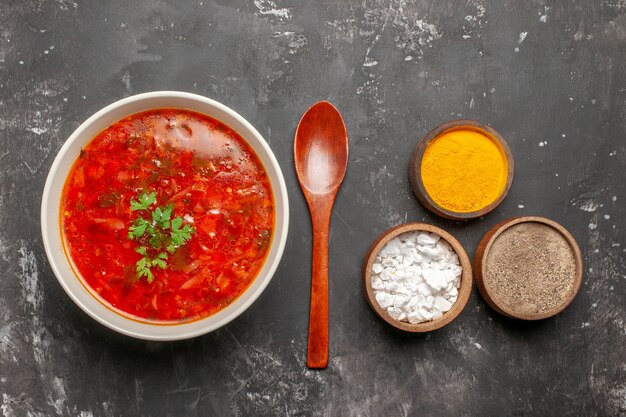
{"type": "Point", "coordinates": [145, 201]}
{"type": "Point", "coordinates": [157, 235]}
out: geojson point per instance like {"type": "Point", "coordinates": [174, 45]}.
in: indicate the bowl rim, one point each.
{"type": "Point", "coordinates": [465, 288]}
{"type": "Point", "coordinates": [415, 168]}
{"type": "Point", "coordinates": [480, 265]}
{"type": "Point", "coordinates": [173, 331]}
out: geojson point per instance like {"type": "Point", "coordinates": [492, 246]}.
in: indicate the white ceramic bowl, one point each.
{"type": "Point", "coordinates": [50, 227]}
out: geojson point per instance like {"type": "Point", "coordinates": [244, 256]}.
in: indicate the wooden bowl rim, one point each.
{"type": "Point", "coordinates": [482, 252]}
{"type": "Point", "coordinates": [465, 288]}
{"type": "Point", "coordinates": [415, 169]}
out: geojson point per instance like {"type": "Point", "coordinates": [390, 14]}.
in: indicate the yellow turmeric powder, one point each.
{"type": "Point", "coordinates": [464, 170]}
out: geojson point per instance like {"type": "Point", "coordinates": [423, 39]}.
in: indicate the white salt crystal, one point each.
{"type": "Point", "coordinates": [386, 275]}
{"type": "Point", "coordinates": [424, 289]}
{"type": "Point", "coordinates": [400, 300]}
{"type": "Point", "coordinates": [394, 312]}
{"type": "Point", "coordinates": [457, 270]}
{"type": "Point", "coordinates": [442, 304]}
{"type": "Point", "coordinates": [414, 317]}
{"type": "Point", "coordinates": [436, 280]}
{"type": "Point", "coordinates": [427, 314]}
{"type": "Point", "coordinates": [430, 301]}
{"type": "Point", "coordinates": [426, 239]}
{"type": "Point", "coordinates": [441, 264]}
{"type": "Point", "coordinates": [393, 247]}
{"type": "Point", "coordinates": [384, 299]}
{"type": "Point", "coordinates": [428, 251]}
{"type": "Point", "coordinates": [449, 275]}
{"type": "Point", "coordinates": [377, 284]}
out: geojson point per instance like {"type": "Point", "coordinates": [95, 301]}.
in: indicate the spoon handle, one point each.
{"type": "Point", "coordinates": [318, 319]}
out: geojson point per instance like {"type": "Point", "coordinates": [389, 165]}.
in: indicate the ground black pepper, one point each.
{"type": "Point", "coordinates": [530, 268]}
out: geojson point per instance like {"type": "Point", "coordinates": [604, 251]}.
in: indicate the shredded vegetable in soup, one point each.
{"type": "Point", "coordinates": [167, 215]}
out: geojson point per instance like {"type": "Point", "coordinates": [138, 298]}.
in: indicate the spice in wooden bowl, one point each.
{"type": "Point", "coordinates": [417, 277]}
{"type": "Point", "coordinates": [528, 268]}
{"type": "Point", "coordinates": [461, 170]}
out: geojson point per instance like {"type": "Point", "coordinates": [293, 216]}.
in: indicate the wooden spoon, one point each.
{"type": "Point", "coordinates": [321, 158]}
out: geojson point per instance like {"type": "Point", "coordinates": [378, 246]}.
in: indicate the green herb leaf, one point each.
{"type": "Point", "coordinates": [145, 272]}
{"type": "Point", "coordinates": [161, 216]}
{"type": "Point", "coordinates": [141, 264]}
{"type": "Point", "coordinates": [159, 262]}
{"type": "Point", "coordinates": [144, 201]}
{"type": "Point", "coordinates": [167, 213]}
{"type": "Point", "coordinates": [176, 223]}
{"type": "Point", "coordinates": [180, 236]}
{"type": "Point", "coordinates": [138, 228]}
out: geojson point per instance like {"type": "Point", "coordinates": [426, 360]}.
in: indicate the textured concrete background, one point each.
{"type": "Point", "coordinates": [549, 75]}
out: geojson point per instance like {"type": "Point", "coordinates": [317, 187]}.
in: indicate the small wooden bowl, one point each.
{"type": "Point", "coordinates": [464, 290]}
{"type": "Point", "coordinates": [480, 260]}
{"type": "Point", "coordinates": [415, 168]}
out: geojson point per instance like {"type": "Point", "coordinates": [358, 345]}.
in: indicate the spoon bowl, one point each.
{"type": "Point", "coordinates": [321, 149]}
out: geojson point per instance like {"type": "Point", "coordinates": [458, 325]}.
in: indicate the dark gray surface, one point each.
{"type": "Point", "coordinates": [395, 69]}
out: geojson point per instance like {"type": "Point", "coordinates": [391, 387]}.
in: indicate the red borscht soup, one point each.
{"type": "Point", "coordinates": [167, 215]}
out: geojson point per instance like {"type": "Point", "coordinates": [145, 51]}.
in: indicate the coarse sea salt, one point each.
{"type": "Point", "coordinates": [416, 277]}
